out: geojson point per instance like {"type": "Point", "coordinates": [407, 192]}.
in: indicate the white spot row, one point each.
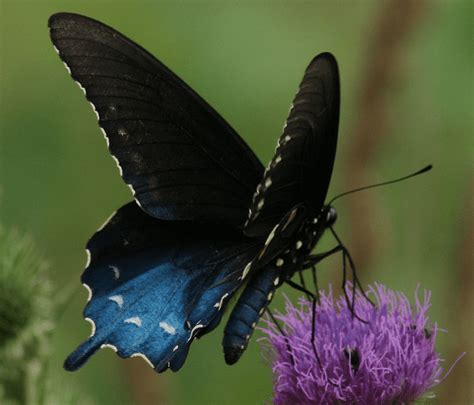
{"type": "Point", "coordinates": [121, 131]}
{"type": "Point", "coordinates": [88, 253]}
{"type": "Point", "coordinates": [144, 357]}
{"type": "Point", "coordinates": [167, 327]}
{"type": "Point", "coordinates": [218, 305]}
{"type": "Point", "coordinates": [141, 355]}
{"type": "Point", "coordinates": [92, 326]}
{"type": "Point", "coordinates": [135, 320]}
{"type": "Point", "coordinates": [109, 346]}
{"type": "Point", "coordinates": [118, 299]}
{"type": "Point", "coordinates": [89, 291]}
{"type": "Point", "coordinates": [246, 270]}
{"type": "Point", "coordinates": [116, 271]}
{"type": "Point", "coordinates": [195, 328]}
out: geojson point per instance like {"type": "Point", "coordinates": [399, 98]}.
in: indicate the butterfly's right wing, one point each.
{"type": "Point", "coordinates": [300, 171]}
{"type": "Point", "coordinates": [156, 285]}
{"type": "Point", "coordinates": [181, 159]}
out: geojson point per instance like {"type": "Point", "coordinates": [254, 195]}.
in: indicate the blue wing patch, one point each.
{"type": "Point", "coordinates": [156, 285]}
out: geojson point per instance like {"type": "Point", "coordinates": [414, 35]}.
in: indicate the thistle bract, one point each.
{"type": "Point", "coordinates": [391, 359]}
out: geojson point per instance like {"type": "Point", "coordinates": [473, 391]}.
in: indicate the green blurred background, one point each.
{"type": "Point", "coordinates": [407, 100]}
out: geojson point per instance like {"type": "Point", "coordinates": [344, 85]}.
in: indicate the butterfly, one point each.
{"type": "Point", "coordinates": [208, 221]}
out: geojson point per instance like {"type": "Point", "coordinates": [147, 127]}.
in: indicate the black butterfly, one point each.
{"type": "Point", "coordinates": [207, 219]}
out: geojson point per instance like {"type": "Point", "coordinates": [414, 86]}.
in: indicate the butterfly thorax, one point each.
{"type": "Point", "coordinates": [303, 241]}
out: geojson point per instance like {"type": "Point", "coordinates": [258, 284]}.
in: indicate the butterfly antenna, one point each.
{"type": "Point", "coordinates": [421, 171]}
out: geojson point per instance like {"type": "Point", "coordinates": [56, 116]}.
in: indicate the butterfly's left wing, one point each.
{"type": "Point", "coordinates": [179, 156]}
{"type": "Point", "coordinates": [155, 285]}
{"type": "Point", "coordinates": [300, 171]}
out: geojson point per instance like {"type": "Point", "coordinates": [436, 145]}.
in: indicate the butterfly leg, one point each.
{"type": "Point", "coordinates": [356, 282]}
{"type": "Point", "coordinates": [302, 281]}
{"type": "Point", "coordinates": [315, 259]}
{"type": "Point", "coordinates": [315, 284]}
{"type": "Point", "coordinates": [282, 332]}
{"type": "Point", "coordinates": [314, 300]}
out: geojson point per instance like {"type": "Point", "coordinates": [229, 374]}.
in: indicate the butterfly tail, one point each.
{"type": "Point", "coordinates": [80, 356]}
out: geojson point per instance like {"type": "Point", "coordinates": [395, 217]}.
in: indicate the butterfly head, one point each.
{"type": "Point", "coordinates": [330, 215]}
{"type": "Point", "coordinates": [326, 218]}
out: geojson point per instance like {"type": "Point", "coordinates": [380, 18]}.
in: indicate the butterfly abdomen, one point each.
{"type": "Point", "coordinates": [252, 303]}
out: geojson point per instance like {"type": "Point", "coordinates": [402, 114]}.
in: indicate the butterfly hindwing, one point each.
{"type": "Point", "coordinates": [301, 169]}
{"type": "Point", "coordinates": [181, 159]}
{"type": "Point", "coordinates": [155, 285]}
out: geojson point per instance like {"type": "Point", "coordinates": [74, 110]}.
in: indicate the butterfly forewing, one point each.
{"type": "Point", "coordinates": [301, 169]}
{"type": "Point", "coordinates": [181, 159]}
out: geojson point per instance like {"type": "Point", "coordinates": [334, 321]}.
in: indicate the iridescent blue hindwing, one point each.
{"type": "Point", "coordinates": [151, 299]}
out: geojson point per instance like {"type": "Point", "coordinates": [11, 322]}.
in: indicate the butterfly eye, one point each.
{"type": "Point", "coordinates": [331, 216]}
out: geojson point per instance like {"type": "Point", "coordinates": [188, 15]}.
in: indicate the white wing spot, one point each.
{"type": "Point", "coordinates": [95, 111]}
{"type": "Point", "coordinates": [109, 346]}
{"type": "Point", "coordinates": [278, 159]}
{"type": "Point", "coordinates": [280, 262]}
{"type": "Point", "coordinates": [276, 281]}
{"type": "Point", "coordinates": [218, 305]}
{"type": "Point", "coordinates": [122, 132]}
{"type": "Point", "coordinates": [66, 66]}
{"type": "Point", "coordinates": [135, 320]}
{"type": "Point", "coordinates": [315, 220]}
{"type": "Point", "coordinates": [81, 87]}
{"type": "Point", "coordinates": [118, 165]}
{"type": "Point", "coordinates": [105, 136]}
{"type": "Point", "coordinates": [268, 182]}
{"type": "Point", "coordinates": [246, 270]}
{"type": "Point", "coordinates": [88, 253]}
{"type": "Point", "coordinates": [260, 204]}
{"type": "Point", "coordinates": [196, 327]}
{"type": "Point", "coordinates": [116, 271]}
{"type": "Point", "coordinates": [133, 193]}
{"type": "Point", "coordinates": [299, 244]}
{"type": "Point", "coordinates": [89, 291]}
{"type": "Point", "coordinates": [92, 326]}
{"type": "Point", "coordinates": [270, 296]}
{"type": "Point", "coordinates": [271, 236]}
{"type": "Point", "coordinates": [167, 327]}
{"type": "Point", "coordinates": [175, 348]}
{"type": "Point", "coordinates": [144, 358]}
{"type": "Point", "coordinates": [118, 299]}
{"type": "Point", "coordinates": [287, 138]}
{"type": "Point", "coordinates": [254, 324]}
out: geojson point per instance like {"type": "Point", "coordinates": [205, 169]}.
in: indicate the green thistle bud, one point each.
{"type": "Point", "coordinates": [24, 289]}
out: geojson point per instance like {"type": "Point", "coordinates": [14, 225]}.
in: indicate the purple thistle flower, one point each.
{"type": "Point", "coordinates": [389, 360]}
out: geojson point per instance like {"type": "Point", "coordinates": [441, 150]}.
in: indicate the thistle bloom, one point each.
{"type": "Point", "coordinates": [391, 359]}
